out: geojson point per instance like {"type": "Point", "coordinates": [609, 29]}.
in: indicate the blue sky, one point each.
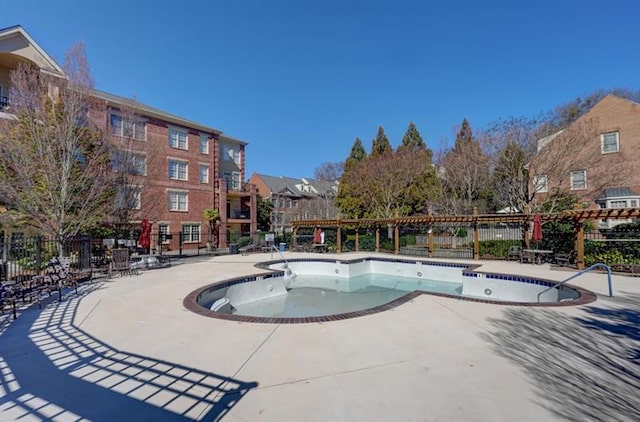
{"type": "Point", "coordinates": [300, 80]}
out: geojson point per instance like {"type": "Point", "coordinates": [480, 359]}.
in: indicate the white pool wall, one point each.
{"type": "Point", "coordinates": [483, 286]}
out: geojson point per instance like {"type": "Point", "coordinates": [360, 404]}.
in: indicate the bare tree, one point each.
{"type": "Point", "coordinates": [329, 171]}
{"type": "Point", "coordinates": [131, 159]}
{"type": "Point", "coordinates": [54, 160]}
{"type": "Point", "coordinates": [464, 172]}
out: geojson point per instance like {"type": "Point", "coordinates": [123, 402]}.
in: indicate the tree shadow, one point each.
{"type": "Point", "coordinates": [584, 368]}
{"type": "Point", "coordinates": [51, 369]}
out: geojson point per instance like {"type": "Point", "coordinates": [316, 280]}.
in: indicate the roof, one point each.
{"type": "Point", "coordinates": [152, 111]}
{"type": "Point", "coordinates": [30, 50]}
{"type": "Point", "coordinates": [282, 184]}
{"type": "Point", "coordinates": [609, 193]}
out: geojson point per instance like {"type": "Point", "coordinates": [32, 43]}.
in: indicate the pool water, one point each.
{"type": "Point", "coordinates": [316, 295]}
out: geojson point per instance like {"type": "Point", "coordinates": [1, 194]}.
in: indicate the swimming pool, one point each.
{"type": "Point", "coordinates": [305, 290]}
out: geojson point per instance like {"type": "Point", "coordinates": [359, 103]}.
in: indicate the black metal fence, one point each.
{"type": "Point", "coordinates": [24, 257]}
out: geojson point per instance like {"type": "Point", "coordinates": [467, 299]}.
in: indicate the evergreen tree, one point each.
{"type": "Point", "coordinates": [412, 139]}
{"type": "Point", "coordinates": [358, 154]}
{"type": "Point", "coordinates": [380, 145]}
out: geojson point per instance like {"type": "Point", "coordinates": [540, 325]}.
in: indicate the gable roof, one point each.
{"type": "Point", "coordinates": [282, 184]}
{"type": "Point", "coordinates": [14, 40]}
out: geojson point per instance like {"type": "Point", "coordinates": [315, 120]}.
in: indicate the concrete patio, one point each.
{"type": "Point", "coordinates": [127, 349]}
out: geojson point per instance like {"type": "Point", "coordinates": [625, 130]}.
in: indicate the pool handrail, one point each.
{"type": "Point", "coordinates": [579, 273]}
{"type": "Point", "coordinates": [275, 248]}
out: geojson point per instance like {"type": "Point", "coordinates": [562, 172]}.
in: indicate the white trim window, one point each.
{"type": "Point", "coordinates": [129, 162]}
{"type": "Point", "coordinates": [163, 231]}
{"type": "Point", "coordinates": [178, 169]}
{"type": "Point", "coordinates": [178, 138]}
{"type": "Point", "coordinates": [190, 233]}
{"type": "Point", "coordinates": [129, 198]}
{"type": "Point", "coordinates": [231, 154]}
{"type": "Point", "coordinates": [178, 200]}
{"type": "Point", "coordinates": [610, 142]}
{"type": "Point", "coordinates": [126, 127]}
{"type": "Point", "coordinates": [204, 143]}
{"type": "Point", "coordinates": [578, 180]}
{"type": "Point", "coordinates": [540, 183]}
{"type": "Point", "coordinates": [203, 171]}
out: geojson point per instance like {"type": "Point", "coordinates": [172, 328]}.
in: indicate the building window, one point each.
{"type": "Point", "coordinates": [129, 162]}
{"type": "Point", "coordinates": [129, 197]}
{"type": "Point", "coordinates": [233, 180]}
{"type": "Point", "coordinates": [204, 173]}
{"type": "Point", "coordinates": [191, 233]}
{"type": "Point", "coordinates": [231, 154]}
{"type": "Point", "coordinates": [540, 183]}
{"type": "Point", "coordinates": [125, 127]}
{"type": "Point", "coordinates": [609, 142]}
{"type": "Point", "coordinates": [178, 170]}
{"type": "Point", "coordinates": [236, 181]}
{"type": "Point", "coordinates": [178, 201]}
{"type": "Point", "coordinates": [177, 138]}
{"type": "Point", "coordinates": [618, 204]}
{"type": "Point", "coordinates": [578, 179]}
{"type": "Point", "coordinates": [634, 203]}
{"type": "Point", "coordinates": [163, 232]}
{"type": "Point", "coordinates": [204, 144]}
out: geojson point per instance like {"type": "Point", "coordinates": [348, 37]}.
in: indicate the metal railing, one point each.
{"type": "Point", "coordinates": [579, 273]}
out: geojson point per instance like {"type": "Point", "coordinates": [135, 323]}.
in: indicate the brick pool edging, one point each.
{"type": "Point", "coordinates": [190, 301]}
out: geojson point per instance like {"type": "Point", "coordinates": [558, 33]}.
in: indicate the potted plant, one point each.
{"type": "Point", "coordinates": [212, 215]}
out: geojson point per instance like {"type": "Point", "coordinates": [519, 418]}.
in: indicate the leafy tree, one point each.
{"type": "Point", "coordinates": [348, 200]}
{"type": "Point", "coordinates": [54, 161]}
{"type": "Point", "coordinates": [380, 145]}
{"type": "Point", "coordinates": [412, 139]}
{"type": "Point", "coordinates": [390, 185]}
{"type": "Point", "coordinates": [264, 209]}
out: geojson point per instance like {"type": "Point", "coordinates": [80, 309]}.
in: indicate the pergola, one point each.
{"type": "Point", "coordinates": [577, 217]}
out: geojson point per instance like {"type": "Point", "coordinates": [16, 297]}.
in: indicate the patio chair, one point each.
{"type": "Point", "coordinates": [120, 263]}
{"type": "Point", "coordinates": [565, 259]}
{"type": "Point", "coordinates": [514, 253]}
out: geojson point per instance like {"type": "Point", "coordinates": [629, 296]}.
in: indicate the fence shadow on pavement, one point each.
{"type": "Point", "coordinates": [584, 368]}
{"type": "Point", "coordinates": [52, 370]}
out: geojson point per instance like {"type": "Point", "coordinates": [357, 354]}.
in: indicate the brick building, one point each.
{"type": "Point", "coordinates": [296, 199]}
{"type": "Point", "coordinates": [598, 151]}
{"type": "Point", "coordinates": [180, 167]}
{"type": "Point", "coordinates": [595, 158]}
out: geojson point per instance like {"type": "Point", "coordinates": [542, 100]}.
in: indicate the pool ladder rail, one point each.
{"type": "Point", "coordinates": [579, 273]}
{"type": "Point", "coordinates": [289, 275]}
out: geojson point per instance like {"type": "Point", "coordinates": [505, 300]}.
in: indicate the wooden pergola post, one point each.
{"type": "Point", "coordinates": [294, 237]}
{"type": "Point", "coordinates": [579, 245]}
{"type": "Point", "coordinates": [377, 238]}
{"type": "Point", "coordinates": [430, 242]}
{"type": "Point", "coordinates": [339, 238]}
{"type": "Point", "coordinates": [357, 238]}
{"type": "Point", "coordinates": [396, 235]}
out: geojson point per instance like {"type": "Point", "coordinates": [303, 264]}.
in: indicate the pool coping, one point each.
{"type": "Point", "coordinates": [190, 301]}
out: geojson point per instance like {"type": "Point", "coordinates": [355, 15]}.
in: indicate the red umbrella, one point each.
{"type": "Point", "coordinates": [144, 240]}
{"type": "Point", "coordinates": [537, 228]}
{"type": "Point", "coordinates": [317, 236]}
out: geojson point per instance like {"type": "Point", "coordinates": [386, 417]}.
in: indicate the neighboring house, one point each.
{"type": "Point", "coordinates": [595, 158]}
{"type": "Point", "coordinates": [181, 167]}
{"type": "Point", "coordinates": [296, 199]}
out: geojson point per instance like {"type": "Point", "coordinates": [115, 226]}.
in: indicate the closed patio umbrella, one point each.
{"type": "Point", "coordinates": [144, 240]}
{"type": "Point", "coordinates": [537, 228]}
